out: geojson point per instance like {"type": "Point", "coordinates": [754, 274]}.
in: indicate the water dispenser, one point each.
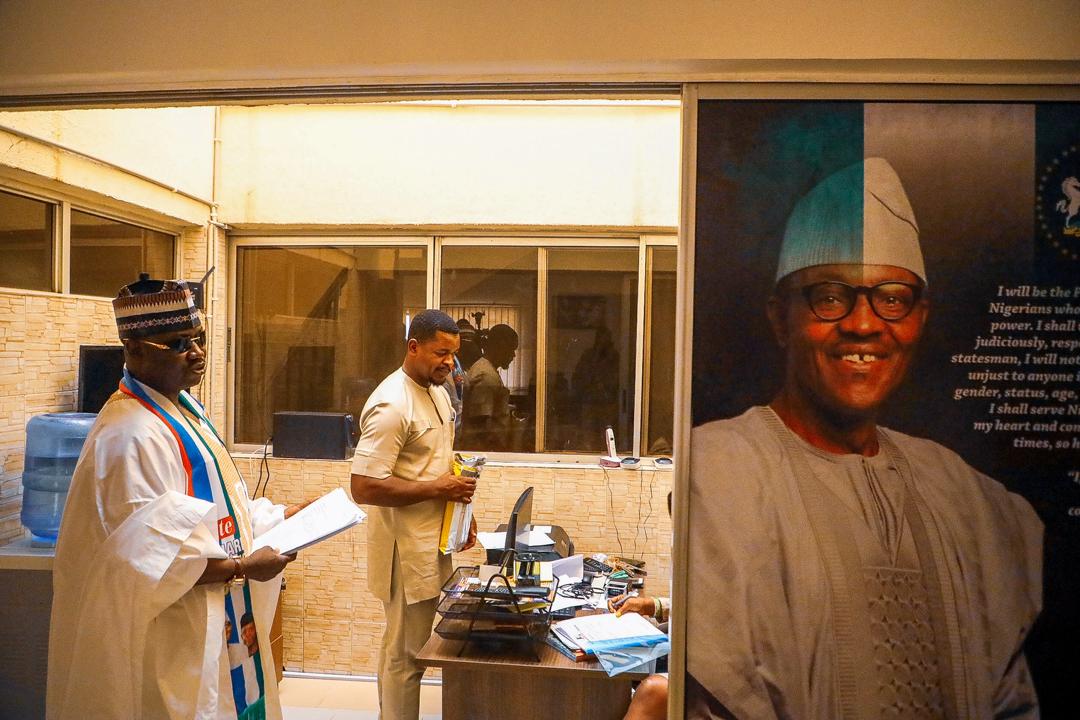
{"type": "Point", "coordinates": [53, 444]}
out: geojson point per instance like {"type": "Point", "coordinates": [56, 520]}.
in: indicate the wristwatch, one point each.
{"type": "Point", "coordinates": [238, 576]}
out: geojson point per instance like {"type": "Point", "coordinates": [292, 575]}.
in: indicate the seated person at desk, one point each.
{"type": "Point", "coordinates": [650, 697]}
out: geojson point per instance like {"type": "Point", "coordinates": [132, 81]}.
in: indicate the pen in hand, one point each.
{"type": "Point", "coordinates": [617, 602]}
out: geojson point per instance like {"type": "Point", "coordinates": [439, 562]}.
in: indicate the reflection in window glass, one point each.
{"type": "Point", "coordinates": [491, 292]}
{"type": "Point", "coordinates": [592, 316]}
{"type": "Point", "coordinates": [319, 328]}
{"type": "Point", "coordinates": [26, 242]}
{"type": "Point", "coordinates": [108, 254]}
{"type": "Point", "coordinates": [659, 401]}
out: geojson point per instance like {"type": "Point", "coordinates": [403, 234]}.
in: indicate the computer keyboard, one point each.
{"type": "Point", "coordinates": [525, 591]}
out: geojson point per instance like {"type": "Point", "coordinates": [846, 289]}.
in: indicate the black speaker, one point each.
{"type": "Point", "coordinates": [100, 370]}
{"type": "Point", "coordinates": [313, 435]}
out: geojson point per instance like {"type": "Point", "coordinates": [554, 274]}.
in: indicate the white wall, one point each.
{"type": "Point", "coordinates": [171, 145]}
{"type": "Point", "coordinates": [535, 163]}
{"type": "Point", "coordinates": [57, 46]}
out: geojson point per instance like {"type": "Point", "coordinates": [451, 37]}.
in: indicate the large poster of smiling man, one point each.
{"type": "Point", "coordinates": [885, 457]}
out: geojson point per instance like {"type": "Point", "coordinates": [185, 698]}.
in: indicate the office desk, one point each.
{"type": "Point", "coordinates": [493, 682]}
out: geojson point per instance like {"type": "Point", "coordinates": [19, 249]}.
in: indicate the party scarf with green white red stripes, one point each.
{"type": "Point", "coordinates": [206, 482]}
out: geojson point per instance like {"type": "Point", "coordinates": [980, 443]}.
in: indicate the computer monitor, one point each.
{"type": "Point", "coordinates": [100, 370]}
{"type": "Point", "coordinates": [520, 520]}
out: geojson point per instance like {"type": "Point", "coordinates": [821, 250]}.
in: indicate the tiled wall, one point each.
{"type": "Point", "coordinates": [332, 624]}
{"type": "Point", "coordinates": [40, 335]}
{"type": "Point", "coordinates": [193, 264]}
{"type": "Point", "coordinates": [39, 363]}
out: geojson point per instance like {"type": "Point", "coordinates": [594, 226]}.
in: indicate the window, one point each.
{"type": "Point", "coordinates": [108, 254]}
{"type": "Point", "coordinates": [489, 290]}
{"type": "Point", "coordinates": [318, 328]}
{"type": "Point", "coordinates": [561, 337]}
{"type": "Point", "coordinates": [658, 409]}
{"type": "Point", "coordinates": [26, 242]}
{"type": "Point", "coordinates": [591, 346]}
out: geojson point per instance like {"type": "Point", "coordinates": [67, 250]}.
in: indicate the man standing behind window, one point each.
{"type": "Point", "coordinates": [402, 468]}
{"type": "Point", "coordinates": [487, 407]}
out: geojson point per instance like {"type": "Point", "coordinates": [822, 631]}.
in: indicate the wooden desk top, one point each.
{"type": "Point", "coordinates": [439, 652]}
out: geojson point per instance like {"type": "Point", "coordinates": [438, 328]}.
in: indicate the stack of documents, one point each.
{"type": "Point", "coordinates": [607, 631]}
{"type": "Point", "coordinates": [620, 643]}
{"type": "Point", "coordinates": [576, 655]}
{"type": "Point", "coordinates": [324, 518]}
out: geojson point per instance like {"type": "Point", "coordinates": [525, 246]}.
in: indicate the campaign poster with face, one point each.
{"type": "Point", "coordinates": [884, 506]}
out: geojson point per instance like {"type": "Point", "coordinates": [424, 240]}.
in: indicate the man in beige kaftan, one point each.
{"type": "Point", "coordinates": [402, 469]}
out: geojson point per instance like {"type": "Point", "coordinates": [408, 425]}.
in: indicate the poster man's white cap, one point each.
{"type": "Point", "coordinates": [857, 216]}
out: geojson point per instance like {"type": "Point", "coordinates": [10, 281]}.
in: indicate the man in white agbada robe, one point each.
{"type": "Point", "coordinates": [843, 570]}
{"type": "Point", "coordinates": [148, 575]}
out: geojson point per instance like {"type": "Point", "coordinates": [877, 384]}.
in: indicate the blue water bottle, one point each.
{"type": "Point", "coordinates": [53, 444]}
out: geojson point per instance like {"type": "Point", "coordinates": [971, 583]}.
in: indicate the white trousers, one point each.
{"type": "Point", "coordinates": [408, 627]}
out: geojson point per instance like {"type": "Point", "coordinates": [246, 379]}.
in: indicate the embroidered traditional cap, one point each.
{"type": "Point", "coordinates": [153, 307]}
{"type": "Point", "coordinates": [857, 216]}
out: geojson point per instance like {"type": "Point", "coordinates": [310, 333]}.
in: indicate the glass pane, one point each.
{"type": "Point", "coordinates": [657, 431]}
{"type": "Point", "coordinates": [108, 254]}
{"type": "Point", "coordinates": [592, 322]}
{"type": "Point", "coordinates": [26, 243]}
{"type": "Point", "coordinates": [483, 288]}
{"type": "Point", "coordinates": [318, 328]}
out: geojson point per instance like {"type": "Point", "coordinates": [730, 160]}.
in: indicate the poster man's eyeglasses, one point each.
{"type": "Point", "coordinates": [833, 301]}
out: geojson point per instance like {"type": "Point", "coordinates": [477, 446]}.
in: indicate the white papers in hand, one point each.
{"type": "Point", "coordinates": [327, 516]}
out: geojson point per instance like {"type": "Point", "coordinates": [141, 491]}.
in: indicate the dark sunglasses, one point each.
{"type": "Point", "coordinates": [180, 345]}
{"type": "Point", "coordinates": [832, 301]}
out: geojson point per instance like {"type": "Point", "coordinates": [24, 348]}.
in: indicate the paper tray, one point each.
{"type": "Point", "coordinates": [506, 626]}
{"type": "Point", "coordinates": [497, 589]}
{"type": "Point", "coordinates": [471, 612]}
{"type": "Point", "coordinates": [468, 607]}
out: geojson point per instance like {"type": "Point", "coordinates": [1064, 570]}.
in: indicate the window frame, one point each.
{"type": "Point", "coordinates": [542, 239]}
{"type": "Point", "coordinates": [646, 340]}
{"type": "Point", "coordinates": [177, 251]}
{"type": "Point", "coordinates": [63, 203]}
{"type": "Point", "coordinates": [56, 269]}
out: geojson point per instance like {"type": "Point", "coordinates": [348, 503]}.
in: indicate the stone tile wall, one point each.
{"type": "Point", "coordinates": [332, 624]}
{"type": "Point", "coordinates": [40, 337]}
